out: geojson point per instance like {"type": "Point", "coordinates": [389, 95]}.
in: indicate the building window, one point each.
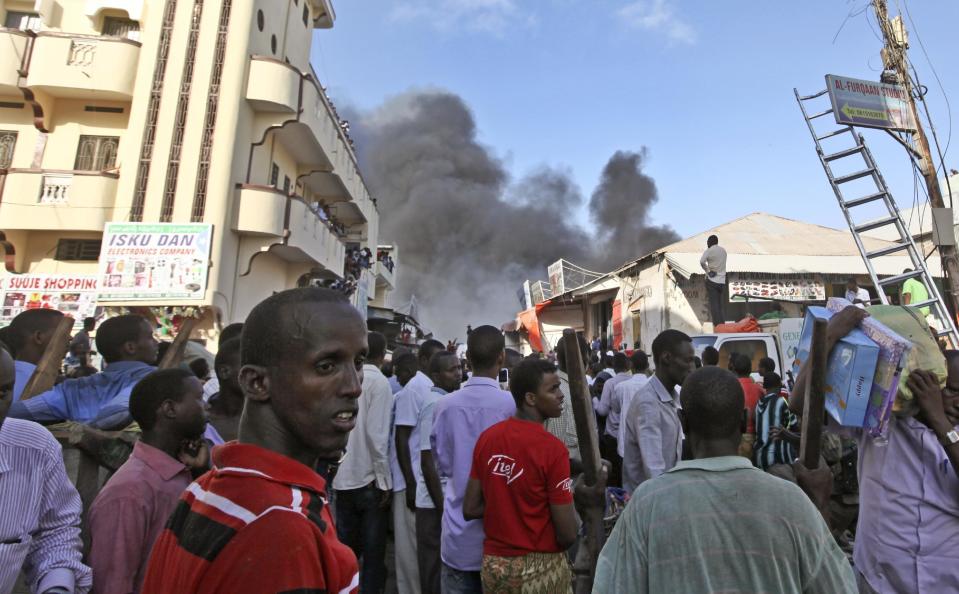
{"type": "Point", "coordinates": [306, 15]}
{"type": "Point", "coordinates": [87, 250]}
{"type": "Point", "coordinates": [259, 20]}
{"type": "Point", "coordinates": [8, 140]}
{"type": "Point", "coordinates": [96, 153]}
{"type": "Point", "coordinates": [286, 184]}
{"type": "Point", "coordinates": [24, 21]}
{"type": "Point", "coordinates": [120, 27]}
{"type": "Point", "coordinates": [274, 174]}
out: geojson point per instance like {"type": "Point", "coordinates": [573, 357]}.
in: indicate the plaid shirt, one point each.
{"type": "Point", "coordinates": [564, 426]}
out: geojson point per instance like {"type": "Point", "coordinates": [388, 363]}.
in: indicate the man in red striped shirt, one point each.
{"type": "Point", "coordinates": [258, 522]}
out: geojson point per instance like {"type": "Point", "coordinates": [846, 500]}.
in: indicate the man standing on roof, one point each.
{"type": "Point", "coordinates": [713, 262]}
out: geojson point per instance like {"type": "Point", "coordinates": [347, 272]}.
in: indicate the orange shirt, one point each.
{"type": "Point", "coordinates": [753, 392]}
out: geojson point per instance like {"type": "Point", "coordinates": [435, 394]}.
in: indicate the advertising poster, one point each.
{"type": "Point", "coordinates": [74, 295]}
{"type": "Point", "coordinates": [870, 104]}
{"type": "Point", "coordinates": [780, 289]}
{"type": "Point", "coordinates": [154, 261]}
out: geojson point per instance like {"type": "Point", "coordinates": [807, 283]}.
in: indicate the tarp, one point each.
{"type": "Point", "coordinates": [617, 323]}
{"type": "Point", "coordinates": [530, 322]}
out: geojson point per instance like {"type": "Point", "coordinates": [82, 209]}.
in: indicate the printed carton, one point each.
{"type": "Point", "coordinates": [849, 371]}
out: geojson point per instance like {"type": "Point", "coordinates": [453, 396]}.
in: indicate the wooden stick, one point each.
{"type": "Point", "coordinates": [174, 354]}
{"type": "Point", "coordinates": [588, 437]}
{"type": "Point", "coordinates": [815, 399]}
{"type": "Point", "coordinates": [48, 369]}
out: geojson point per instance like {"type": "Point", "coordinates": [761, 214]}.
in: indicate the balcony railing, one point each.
{"type": "Point", "coordinates": [55, 188]}
{"type": "Point", "coordinates": [63, 200]}
{"type": "Point", "coordinates": [83, 66]}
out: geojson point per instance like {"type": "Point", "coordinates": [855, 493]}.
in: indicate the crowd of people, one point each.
{"type": "Point", "coordinates": [312, 446]}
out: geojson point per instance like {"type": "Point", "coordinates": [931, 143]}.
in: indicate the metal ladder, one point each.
{"type": "Point", "coordinates": [905, 242]}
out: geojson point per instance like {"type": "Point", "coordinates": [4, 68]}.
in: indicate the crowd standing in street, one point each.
{"type": "Point", "coordinates": [327, 459]}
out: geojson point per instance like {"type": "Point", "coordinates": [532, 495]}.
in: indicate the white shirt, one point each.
{"type": "Point", "coordinates": [714, 261]}
{"type": "Point", "coordinates": [861, 294]}
{"type": "Point", "coordinates": [210, 388]}
{"type": "Point", "coordinates": [424, 427]}
{"type": "Point", "coordinates": [367, 456]}
{"type": "Point", "coordinates": [622, 396]}
{"type": "Point", "coordinates": [406, 409]}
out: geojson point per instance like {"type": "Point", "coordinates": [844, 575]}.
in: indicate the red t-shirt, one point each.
{"type": "Point", "coordinates": [754, 393]}
{"type": "Point", "coordinates": [523, 469]}
{"type": "Point", "coordinates": [257, 523]}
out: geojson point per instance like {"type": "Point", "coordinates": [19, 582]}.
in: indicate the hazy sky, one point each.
{"type": "Point", "coordinates": [705, 85]}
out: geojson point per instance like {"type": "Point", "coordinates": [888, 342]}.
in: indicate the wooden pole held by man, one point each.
{"type": "Point", "coordinates": [174, 354]}
{"type": "Point", "coordinates": [588, 436]}
{"type": "Point", "coordinates": [814, 404]}
{"type": "Point", "coordinates": [48, 368]}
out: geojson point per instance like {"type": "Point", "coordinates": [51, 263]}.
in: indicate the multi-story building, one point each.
{"type": "Point", "coordinates": [179, 111]}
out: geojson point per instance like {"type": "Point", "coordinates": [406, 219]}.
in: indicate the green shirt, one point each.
{"type": "Point", "coordinates": [917, 292]}
{"type": "Point", "coordinates": [721, 525]}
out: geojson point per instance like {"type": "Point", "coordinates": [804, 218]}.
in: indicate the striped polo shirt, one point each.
{"type": "Point", "coordinates": [257, 523]}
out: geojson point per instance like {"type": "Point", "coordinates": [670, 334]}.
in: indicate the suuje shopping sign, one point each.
{"type": "Point", "coordinates": [869, 104]}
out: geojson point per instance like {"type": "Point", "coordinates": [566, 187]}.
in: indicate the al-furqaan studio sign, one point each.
{"type": "Point", "coordinates": [869, 104]}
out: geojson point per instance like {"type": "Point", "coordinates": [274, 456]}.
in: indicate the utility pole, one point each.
{"type": "Point", "coordinates": [894, 62]}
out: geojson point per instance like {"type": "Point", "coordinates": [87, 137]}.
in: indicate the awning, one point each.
{"type": "Point", "coordinates": [530, 322]}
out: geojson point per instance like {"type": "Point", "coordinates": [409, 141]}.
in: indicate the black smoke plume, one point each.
{"type": "Point", "coordinates": [467, 237]}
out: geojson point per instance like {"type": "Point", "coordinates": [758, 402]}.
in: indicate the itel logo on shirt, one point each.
{"type": "Point", "coordinates": [505, 467]}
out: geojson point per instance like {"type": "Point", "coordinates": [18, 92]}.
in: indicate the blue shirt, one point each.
{"type": "Point", "coordinates": [101, 400]}
{"type": "Point", "coordinates": [24, 372]}
{"type": "Point", "coordinates": [458, 421]}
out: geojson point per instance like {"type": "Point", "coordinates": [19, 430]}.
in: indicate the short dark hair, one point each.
{"type": "Point", "coordinates": [30, 321]}
{"type": "Point", "coordinates": [89, 323]}
{"type": "Point", "coordinates": [406, 361]}
{"type": "Point", "coordinates": [766, 363]}
{"type": "Point", "coordinates": [200, 367]}
{"type": "Point", "coordinates": [741, 364]}
{"type": "Point", "coordinates": [116, 332]}
{"type": "Point", "coordinates": [230, 332]}
{"type": "Point", "coordinates": [852, 281]}
{"type": "Point", "coordinates": [772, 380]}
{"type": "Point", "coordinates": [484, 345]}
{"type": "Point", "coordinates": [266, 335]}
{"type": "Point", "coordinates": [527, 376]}
{"type": "Point", "coordinates": [561, 350]}
{"type": "Point", "coordinates": [620, 362]}
{"type": "Point", "coordinates": [230, 348]}
{"type": "Point", "coordinates": [712, 240]}
{"type": "Point", "coordinates": [640, 361]}
{"type": "Point", "coordinates": [710, 356]}
{"type": "Point", "coordinates": [436, 361]}
{"type": "Point", "coordinates": [668, 341]}
{"type": "Point", "coordinates": [426, 350]}
{"type": "Point", "coordinates": [152, 390]}
{"type": "Point", "coordinates": [713, 403]}
{"type": "Point", "coordinates": [377, 346]}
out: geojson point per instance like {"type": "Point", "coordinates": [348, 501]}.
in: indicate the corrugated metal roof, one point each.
{"type": "Point", "coordinates": [761, 233]}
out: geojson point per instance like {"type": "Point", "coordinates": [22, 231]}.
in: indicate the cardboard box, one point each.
{"type": "Point", "coordinates": [850, 370]}
{"type": "Point", "coordinates": [893, 353]}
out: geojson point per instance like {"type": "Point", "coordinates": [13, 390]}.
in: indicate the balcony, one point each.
{"type": "Point", "coordinates": [50, 200]}
{"type": "Point", "coordinates": [13, 44]}
{"type": "Point", "coordinates": [300, 235]}
{"type": "Point", "coordinates": [384, 276]}
{"type": "Point", "coordinates": [84, 66]}
{"type": "Point", "coordinates": [273, 86]}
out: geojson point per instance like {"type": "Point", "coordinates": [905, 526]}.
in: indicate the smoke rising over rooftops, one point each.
{"type": "Point", "coordinates": [468, 237]}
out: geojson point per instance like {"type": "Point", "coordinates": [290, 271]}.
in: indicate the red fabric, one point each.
{"type": "Point", "coordinates": [754, 393]}
{"type": "Point", "coordinates": [523, 469]}
{"type": "Point", "coordinates": [747, 324]}
{"type": "Point", "coordinates": [529, 321]}
{"type": "Point", "coordinates": [617, 323]}
{"type": "Point", "coordinates": [222, 540]}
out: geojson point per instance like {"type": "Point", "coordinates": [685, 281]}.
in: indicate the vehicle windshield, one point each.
{"type": "Point", "coordinates": [701, 342]}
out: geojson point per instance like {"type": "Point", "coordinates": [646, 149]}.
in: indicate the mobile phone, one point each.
{"type": "Point", "coordinates": [504, 376]}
